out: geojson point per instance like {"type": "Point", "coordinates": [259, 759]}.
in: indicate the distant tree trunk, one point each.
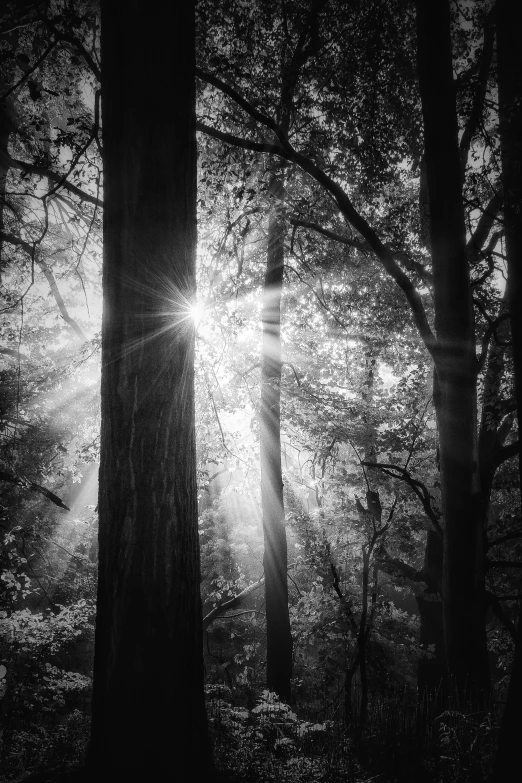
{"type": "Point", "coordinates": [275, 561]}
{"type": "Point", "coordinates": [7, 125]}
{"type": "Point", "coordinates": [148, 705]}
{"type": "Point", "coordinates": [509, 75]}
{"type": "Point", "coordinates": [455, 360]}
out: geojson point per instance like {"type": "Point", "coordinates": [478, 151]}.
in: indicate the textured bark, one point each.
{"type": "Point", "coordinates": [509, 64]}
{"type": "Point", "coordinates": [275, 561]}
{"type": "Point", "coordinates": [148, 702]}
{"type": "Point", "coordinates": [455, 360]}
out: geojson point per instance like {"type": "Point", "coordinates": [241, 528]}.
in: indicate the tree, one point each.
{"type": "Point", "coordinates": [327, 153]}
{"type": "Point", "coordinates": [275, 559]}
{"type": "Point", "coordinates": [454, 357]}
{"type": "Point", "coordinates": [148, 706]}
{"type": "Point", "coordinates": [509, 78]}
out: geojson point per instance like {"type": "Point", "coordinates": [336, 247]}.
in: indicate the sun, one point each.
{"type": "Point", "coordinates": [196, 312]}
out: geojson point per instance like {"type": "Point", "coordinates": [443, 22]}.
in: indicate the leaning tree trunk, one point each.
{"type": "Point", "coordinates": [275, 561]}
{"type": "Point", "coordinates": [455, 360]}
{"type": "Point", "coordinates": [509, 74]}
{"type": "Point", "coordinates": [148, 705]}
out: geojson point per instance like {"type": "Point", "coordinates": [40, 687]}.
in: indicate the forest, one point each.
{"type": "Point", "coordinates": [260, 381]}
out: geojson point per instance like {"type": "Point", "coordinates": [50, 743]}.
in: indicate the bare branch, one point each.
{"type": "Point", "coordinates": [330, 234]}
{"type": "Point", "coordinates": [62, 36]}
{"type": "Point", "coordinates": [59, 300]}
{"type": "Point", "coordinates": [22, 481]}
{"type": "Point", "coordinates": [502, 564]}
{"type": "Point", "coordinates": [420, 489]}
{"type": "Point", "coordinates": [285, 150]}
{"type": "Point", "coordinates": [480, 90]}
{"type": "Point", "coordinates": [30, 250]}
{"type": "Point", "coordinates": [220, 609]}
{"type": "Point", "coordinates": [28, 72]}
{"type": "Point", "coordinates": [40, 171]}
{"type": "Point", "coordinates": [514, 534]}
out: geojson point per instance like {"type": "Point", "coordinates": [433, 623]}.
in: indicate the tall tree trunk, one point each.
{"type": "Point", "coordinates": [432, 668]}
{"type": "Point", "coordinates": [279, 640]}
{"type": "Point", "coordinates": [509, 74]}
{"type": "Point", "coordinates": [7, 126]}
{"type": "Point", "coordinates": [455, 362]}
{"type": "Point", "coordinates": [148, 702]}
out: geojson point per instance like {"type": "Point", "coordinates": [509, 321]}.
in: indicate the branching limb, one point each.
{"type": "Point", "coordinates": [330, 234]}
{"type": "Point", "coordinates": [221, 608]}
{"type": "Point", "coordinates": [513, 535]}
{"type": "Point", "coordinates": [477, 105]}
{"type": "Point", "coordinates": [22, 481]}
{"type": "Point", "coordinates": [285, 150]}
{"type": "Point", "coordinates": [29, 249]}
{"type": "Point", "coordinates": [71, 39]}
{"type": "Point", "coordinates": [420, 489]}
{"type": "Point", "coordinates": [491, 331]}
{"type": "Point", "coordinates": [28, 72]}
{"type": "Point", "coordinates": [484, 226]}
{"type": "Point", "coordinates": [40, 171]}
{"type": "Point", "coordinates": [59, 301]}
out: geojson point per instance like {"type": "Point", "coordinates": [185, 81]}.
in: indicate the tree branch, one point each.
{"type": "Point", "coordinates": [502, 564]}
{"type": "Point", "coordinates": [30, 250]}
{"type": "Point", "coordinates": [28, 72]}
{"type": "Point", "coordinates": [514, 534]}
{"type": "Point", "coordinates": [480, 90]}
{"type": "Point", "coordinates": [329, 234]}
{"type": "Point", "coordinates": [75, 42]}
{"type": "Point", "coordinates": [22, 481]}
{"type": "Point", "coordinates": [39, 171]}
{"type": "Point", "coordinates": [420, 489]}
{"type": "Point", "coordinates": [350, 214]}
{"type": "Point", "coordinates": [221, 608]}
{"type": "Point", "coordinates": [487, 219]}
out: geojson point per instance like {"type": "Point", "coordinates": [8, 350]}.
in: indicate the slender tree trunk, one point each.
{"type": "Point", "coordinates": [432, 669]}
{"type": "Point", "coordinates": [455, 366]}
{"type": "Point", "coordinates": [7, 126]}
{"type": "Point", "coordinates": [279, 640]}
{"type": "Point", "coordinates": [148, 704]}
{"type": "Point", "coordinates": [509, 70]}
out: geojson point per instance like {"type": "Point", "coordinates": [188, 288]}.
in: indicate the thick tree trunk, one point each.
{"type": "Point", "coordinates": [455, 399]}
{"type": "Point", "coordinates": [509, 70]}
{"type": "Point", "coordinates": [279, 640]}
{"type": "Point", "coordinates": [148, 703]}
